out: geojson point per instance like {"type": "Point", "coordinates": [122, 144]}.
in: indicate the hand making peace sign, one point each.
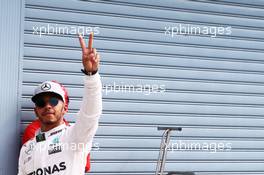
{"type": "Point", "coordinates": [90, 58]}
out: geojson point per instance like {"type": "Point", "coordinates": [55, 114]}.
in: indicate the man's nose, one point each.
{"type": "Point", "coordinates": [48, 105]}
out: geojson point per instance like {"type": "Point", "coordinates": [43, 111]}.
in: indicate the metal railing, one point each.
{"type": "Point", "coordinates": [163, 152]}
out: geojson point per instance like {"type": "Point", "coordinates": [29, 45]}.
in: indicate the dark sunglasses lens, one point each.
{"type": "Point", "coordinates": [53, 101]}
{"type": "Point", "coordinates": [40, 103]}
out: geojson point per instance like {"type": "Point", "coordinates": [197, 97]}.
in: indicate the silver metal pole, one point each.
{"type": "Point", "coordinates": [167, 140]}
{"type": "Point", "coordinates": [161, 153]}
{"type": "Point", "coordinates": [163, 148]}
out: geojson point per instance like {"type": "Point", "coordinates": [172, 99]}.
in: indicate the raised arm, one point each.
{"type": "Point", "coordinates": [91, 107]}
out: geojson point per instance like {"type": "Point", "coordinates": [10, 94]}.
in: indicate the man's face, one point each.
{"type": "Point", "coordinates": [50, 109]}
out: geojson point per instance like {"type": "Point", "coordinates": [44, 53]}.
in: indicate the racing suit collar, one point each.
{"type": "Point", "coordinates": [48, 133]}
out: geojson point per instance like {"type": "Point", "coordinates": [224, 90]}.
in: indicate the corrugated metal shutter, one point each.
{"type": "Point", "coordinates": [214, 85]}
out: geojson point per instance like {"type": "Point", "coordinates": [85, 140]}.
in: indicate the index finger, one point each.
{"type": "Point", "coordinates": [82, 43]}
{"type": "Point", "coordinates": [90, 44]}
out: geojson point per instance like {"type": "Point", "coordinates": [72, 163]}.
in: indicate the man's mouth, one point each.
{"type": "Point", "coordinates": [48, 113]}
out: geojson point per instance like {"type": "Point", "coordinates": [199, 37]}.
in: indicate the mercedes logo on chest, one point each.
{"type": "Point", "coordinates": [45, 87]}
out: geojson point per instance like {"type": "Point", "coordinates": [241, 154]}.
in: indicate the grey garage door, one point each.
{"type": "Point", "coordinates": [194, 64]}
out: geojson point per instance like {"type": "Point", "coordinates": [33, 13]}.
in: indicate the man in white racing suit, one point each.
{"type": "Point", "coordinates": [58, 149]}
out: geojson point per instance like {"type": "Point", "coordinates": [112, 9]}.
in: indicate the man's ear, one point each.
{"type": "Point", "coordinates": [65, 109]}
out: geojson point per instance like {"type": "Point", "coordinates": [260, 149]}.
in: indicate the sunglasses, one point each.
{"type": "Point", "coordinates": [53, 101]}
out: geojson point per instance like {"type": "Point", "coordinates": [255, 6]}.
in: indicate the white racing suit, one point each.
{"type": "Point", "coordinates": [63, 150]}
